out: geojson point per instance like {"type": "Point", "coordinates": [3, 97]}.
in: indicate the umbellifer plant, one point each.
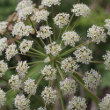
{"type": "Point", "coordinates": [37, 39]}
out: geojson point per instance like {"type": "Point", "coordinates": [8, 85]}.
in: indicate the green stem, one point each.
{"type": "Point", "coordinates": [60, 72]}
{"type": "Point", "coordinates": [72, 49]}
{"type": "Point", "coordinates": [35, 62]}
{"type": "Point", "coordinates": [42, 41]}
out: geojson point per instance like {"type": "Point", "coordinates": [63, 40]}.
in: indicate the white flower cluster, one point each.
{"type": "Point", "coordinates": [15, 82]}
{"type": "Point", "coordinates": [11, 51]}
{"type": "Point", "coordinates": [3, 26]}
{"type": "Point", "coordinates": [25, 12]}
{"type": "Point", "coordinates": [23, 4]}
{"type": "Point", "coordinates": [92, 79]}
{"type": "Point", "coordinates": [49, 95]}
{"type": "Point", "coordinates": [20, 29]}
{"type": "Point", "coordinates": [61, 19]}
{"type": "Point", "coordinates": [2, 98]}
{"type": "Point", "coordinates": [53, 48]}
{"type": "Point", "coordinates": [83, 55]}
{"type": "Point", "coordinates": [69, 65]}
{"type": "Point", "coordinates": [49, 3]}
{"type": "Point", "coordinates": [44, 32]}
{"type": "Point", "coordinates": [47, 60]}
{"type": "Point", "coordinates": [81, 9]}
{"type": "Point", "coordinates": [68, 86]}
{"type": "Point", "coordinates": [22, 103]}
{"type": "Point", "coordinates": [49, 72]}
{"type": "Point", "coordinates": [107, 25]}
{"type": "Point", "coordinates": [70, 38]}
{"type": "Point", "coordinates": [3, 44]}
{"type": "Point", "coordinates": [77, 103]}
{"type": "Point", "coordinates": [3, 67]}
{"type": "Point", "coordinates": [41, 15]}
{"type": "Point", "coordinates": [30, 86]}
{"type": "Point", "coordinates": [107, 60]}
{"type": "Point", "coordinates": [97, 34]}
{"type": "Point", "coordinates": [40, 108]}
{"type": "Point", "coordinates": [25, 46]}
{"type": "Point", "coordinates": [105, 103]}
{"type": "Point", "coordinates": [22, 68]}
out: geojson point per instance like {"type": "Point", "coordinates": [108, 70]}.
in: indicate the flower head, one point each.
{"type": "Point", "coordinates": [15, 82]}
{"type": "Point", "coordinates": [105, 103]}
{"type": "Point", "coordinates": [3, 67]}
{"type": "Point", "coordinates": [22, 68]}
{"type": "Point", "coordinates": [49, 95]}
{"type": "Point", "coordinates": [107, 25]}
{"type": "Point", "coordinates": [44, 32]}
{"type": "Point", "coordinates": [83, 55]}
{"type": "Point", "coordinates": [97, 34]}
{"type": "Point", "coordinates": [49, 3]}
{"type": "Point", "coordinates": [41, 15]}
{"type": "Point", "coordinates": [20, 29]}
{"type": "Point", "coordinates": [41, 108]}
{"type": "Point", "coordinates": [3, 26]}
{"type": "Point", "coordinates": [2, 98]}
{"type": "Point", "coordinates": [81, 10]}
{"type": "Point", "coordinates": [22, 103]}
{"type": "Point", "coordinates": [30, 86]}
{"type": "Point", "coordinates": [68, 86]}
{"type": "Point", "coordinates": [92, 79]}
{"type": "Point", "coordinates": [11, 51]}
{"type": "Point", "coordinates": [77, 103]}
{"type": "Point", "coordinates": [53, 48]}
{"type": "Point", "coordinates": [61, 19]}
{"type": "Point", "coordinates": [69, 65]}
{"type": "Point", "coordinates": [25, 46]}
{"type": "Point", "coordinates": [3, 44]}
{"type": "Point", "coordinates": [70, 38]}
{"type": "Point", "coordinates": [107, 60]}
{"type": "Point", "coordinates": [47, 60]}
{"type": "Point", "coordinates": [49, 72]}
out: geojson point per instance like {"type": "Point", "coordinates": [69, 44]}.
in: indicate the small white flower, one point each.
{"type": "Point", "coordinates": [105, 103]}
{"type": "Point", "coordinates": [107, 25]}
{"type": "Point", "coordinates": [44, 32]}
{"type": "Point", "coordinates": [77, 103]}
{"type": "Point", "coordinates": [70, 38]}
{"type": "Point", "coordinates": [3, 26]}
{"type": "Point", "coordinates": [3, 44]}
{"type": "Point", "coordinates": [3, 67]}
{"type": "Point", "coordinates": [49, 72]}
{"type": "Point", "coordinates": [68, 86]}
{"type": "Point", "coordinates": [53, 48]}
{"type": "Point", "coordinates": [92, 79]}
{"type": "Point", "coordinates": [25, 12]}
{"type": "Point", "coordinates": [83, 55]}
{"type": "Point", "coordinates": [41, 108]}
{"type": "Point", "coordinates": [81, 10]}
{"type": "Point", "coordinates": [21, 29]}
{"type": "Point", "coordinates": [2, 98]}
{"type": "Point", "coordinates": [49, 95]}
{"type": "Point", "coordinates": [61, 19]}
{"type": "Point", "coordinates": [22, 68]}
{"type": "Point", "coordinates": [25, 46]}
{"type": "Point", "coordinates": [15, 82]}
{"type": "Point", "coordinates": [47, 60]}
{"type": "Point", "coordinates": [107, 60]}
{"type": "Point", "coordinates": [22, 103]}
{"type": "Point", "coordinates": [49, 3]}
{"type": "Point", "coordinates": [23, 4]}
{"type": "Point", "coordinates": [97, 34]}
{"type": "Point", "coordinates": [11, 51]}
{"type": "Point", "coordinates": [30, 86]}
{"type": "Point", "coordinates": [41, 15]}
{"type": "Point", "coordinates": [69, 65]}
